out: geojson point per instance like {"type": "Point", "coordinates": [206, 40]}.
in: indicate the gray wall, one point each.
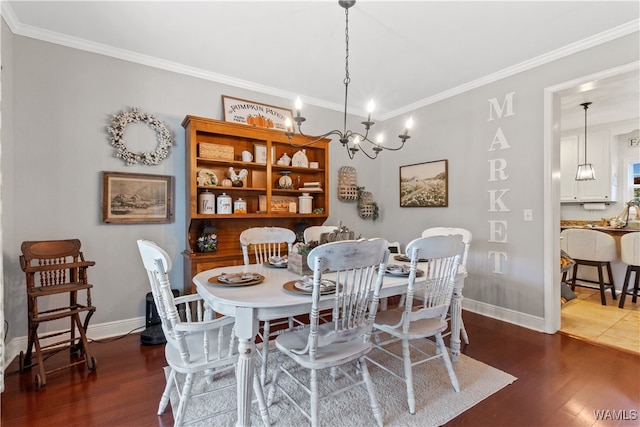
{"type": "Point", "coordinates": [57, 103]}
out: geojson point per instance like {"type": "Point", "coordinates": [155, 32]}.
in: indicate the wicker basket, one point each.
{"type": "Point", "coordinates": [347, 183]}
{"type": "Point", "coordinates": [207, 150]}
{"type": "Point", "coordinates": [365, 205]}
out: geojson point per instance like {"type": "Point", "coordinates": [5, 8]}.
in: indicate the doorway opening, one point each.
{"type": "Point", "coordinates": [556, 119]}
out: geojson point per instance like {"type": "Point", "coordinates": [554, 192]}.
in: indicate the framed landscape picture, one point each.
{"type": "Point", "coordinates": [134, 198]}
{"type": "Point", "coordinates": [424, 185]}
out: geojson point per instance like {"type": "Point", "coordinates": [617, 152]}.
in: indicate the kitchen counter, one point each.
{"type": "Point", "coordinates": [598, 226]}
{"type": "Point", "coordinates": [610, 230]}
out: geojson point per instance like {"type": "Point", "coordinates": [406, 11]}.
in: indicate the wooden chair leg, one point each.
{"type": "Point", "coordinates": [447, 362]}
{"type": "Point", "coordinates": [603, 300]}
{"type": "Point", "coordinates": [315, 397]}
{"type": "Point", "coordinates": [408, 375]}
{"type": "Point", "coordinates": [573, 278]}
{"type": "Point", "coordinates": [613, 288]}
{"type": "Point", "coordinates": [262, 404]}
{"type": "Point", "coordinates": [375, 407]}
{"type": "Point", "coordinates": [40, 379]}
{"type": "Point", "coordinates": [185, 397]}
{"type": "Point", "coordinates": [266, 332]}
{"type": "Point", "coordinates": [83, 344]}
{"type": "Point", "coordinates": [636, 287]}
{"type": "Point", "coordinates": [625, 286]}
{"type": "Point", "coordinates": [166, 394]}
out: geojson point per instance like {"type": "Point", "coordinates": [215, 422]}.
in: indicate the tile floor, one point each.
{"type": "Point", "coordinates": [585, 317]}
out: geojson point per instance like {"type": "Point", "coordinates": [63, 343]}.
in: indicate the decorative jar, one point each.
{"type": "Point", "coordinates": [240, 206]}
{"type": "Point", "coordinates": [305, 206]}
{"type": "Point", "coordinates": [206, 202]}
{"type": "Point", "coordinates": [224, 204]}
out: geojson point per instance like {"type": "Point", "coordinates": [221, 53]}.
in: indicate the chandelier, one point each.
{"type": "Point", "coordinates": [351, 141]}
{"type": "Point", "coordinates": [585, 170]}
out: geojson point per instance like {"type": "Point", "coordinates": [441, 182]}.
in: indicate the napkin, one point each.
{"type": "Point", "coordinates": [397, 269]}
{"type": "Point", "coordinates": [405, 258]}
{"type": "Point", "coordinates": [306, 284]}
{"type": "Point", "coordinates": [276, 260]}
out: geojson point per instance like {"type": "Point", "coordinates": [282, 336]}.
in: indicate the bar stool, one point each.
{"type": "Point", "coordinates": [630, 254]}
{"type": "Point", "coordinates": [590, 248]}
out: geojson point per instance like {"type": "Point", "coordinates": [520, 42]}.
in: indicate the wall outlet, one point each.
{"type": "Point", "coordinates": [528, 214]}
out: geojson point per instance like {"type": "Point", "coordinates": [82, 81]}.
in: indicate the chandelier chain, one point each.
{"type": "Point", "coordinates": [347, 79]}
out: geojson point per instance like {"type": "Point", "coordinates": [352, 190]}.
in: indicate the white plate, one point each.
{"type": "Point", "coordinates": [211, 177]}
{"type": "Point", "coordinates": [401, 270]}
{"type": "Point", "coordinates": [237, 279]}
{"type": "Point", "coordinates": [297, 287]}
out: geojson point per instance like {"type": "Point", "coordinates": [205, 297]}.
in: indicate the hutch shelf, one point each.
{"type": "Point", "coordinates": [216, 146]}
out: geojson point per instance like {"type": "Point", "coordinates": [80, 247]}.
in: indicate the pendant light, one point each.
{"type": "Point", "coordinates": [351, 140]}
{"type": "Point", "coordinates": [585, 170]}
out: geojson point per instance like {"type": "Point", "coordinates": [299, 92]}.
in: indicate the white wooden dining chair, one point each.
{"type": "Point", "coordinates": [313, 233]}
{"type": "Point", "coordinates": [345, 338]}
{"type": "Point", "coordinates": [266, 242]}
{"type": "Point", "coordinates": [457, 324]}
{"type": "Point", "coordinates": [425, 315]}
{"type": "Point", "coordinates": [197, 341]}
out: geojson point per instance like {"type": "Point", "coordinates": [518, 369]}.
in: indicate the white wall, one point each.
{"type": "Point", "coordinates": [53, 164]}
{"type": "Point", "coordinates": [56, 146]}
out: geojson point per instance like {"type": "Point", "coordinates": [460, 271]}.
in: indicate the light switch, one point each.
{"type": "Point", "coordinates": [528, 215]}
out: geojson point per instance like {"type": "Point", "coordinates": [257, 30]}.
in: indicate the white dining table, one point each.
{"type": "Point", "coordinates": [267, 300]}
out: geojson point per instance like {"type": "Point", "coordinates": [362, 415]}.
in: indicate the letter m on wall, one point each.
{"type": "Point", "coordinates": [501, 110]}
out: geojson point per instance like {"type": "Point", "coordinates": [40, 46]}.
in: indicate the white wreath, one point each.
{"type": "Point", "coordinates": [119, 124]}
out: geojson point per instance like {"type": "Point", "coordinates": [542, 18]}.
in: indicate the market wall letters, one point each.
{"type": "Point", "coordinates": [498, 175]}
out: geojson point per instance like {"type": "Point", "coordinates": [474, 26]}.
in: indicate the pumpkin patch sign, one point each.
{"type": "Point", "coordinates": [255, 114]}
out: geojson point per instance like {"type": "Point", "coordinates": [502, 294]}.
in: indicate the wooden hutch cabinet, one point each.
{"type": "Point", "coordinates": [267, 203]}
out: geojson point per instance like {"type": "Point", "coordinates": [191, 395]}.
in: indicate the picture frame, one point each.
{"type": "Point", "coordinates": [425, 185]}
{"type": "Point", "coordinates": [255, 114]}
{"type": "Point", "coordinates": [136, 198]}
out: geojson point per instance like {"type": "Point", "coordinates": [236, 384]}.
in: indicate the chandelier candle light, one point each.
{"type": "Point", "coordinates": [351, 141]}
{"type": "Point", "coordinates": [585, 170]}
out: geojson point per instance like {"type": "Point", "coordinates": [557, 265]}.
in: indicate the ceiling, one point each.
{"type": "Point", "coordinates": [403, 54]}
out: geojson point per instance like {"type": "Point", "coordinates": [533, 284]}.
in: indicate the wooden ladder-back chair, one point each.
{"type": "Point", "coordinates": [424, 314]}
{"type": "Point", "coordinates": [345, 337]}
{"type": "Point", "coordinates": [55, 267]}
{"type": "Point", "coordinates": [267, 242]}
{"type": "Point", "coordinates": [197, 341]}
{"type": "Point", "coordinates": [457, 324]}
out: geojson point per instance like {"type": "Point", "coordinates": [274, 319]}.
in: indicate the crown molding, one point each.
{"type": "Point", "coordinates": [73, 42]}
{"type": "Point", "coordinates": [595, 40]}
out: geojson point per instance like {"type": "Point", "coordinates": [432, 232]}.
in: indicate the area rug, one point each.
{"type": "Point", "coordinates": [436, 400]}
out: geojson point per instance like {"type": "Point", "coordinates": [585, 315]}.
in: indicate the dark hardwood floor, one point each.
{"type": "Point", "coordinates": [561, 382]}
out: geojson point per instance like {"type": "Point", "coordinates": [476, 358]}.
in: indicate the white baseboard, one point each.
{"type": "Point", "coordinates": [95, 332]}
{"type": "Point", "coordinates": [504, 314]}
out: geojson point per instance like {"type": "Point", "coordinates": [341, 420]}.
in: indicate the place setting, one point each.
{"type": "Point", "coordinates": [401, 270]}
{"type": "Point", "coordinates": [304, 285]}
{"type": "Point", "coordinates": [277, 262]}
{"type": "Point", "coordinates": [405, 258]}
{"type": "Point", "coordinates": [237, 279]}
